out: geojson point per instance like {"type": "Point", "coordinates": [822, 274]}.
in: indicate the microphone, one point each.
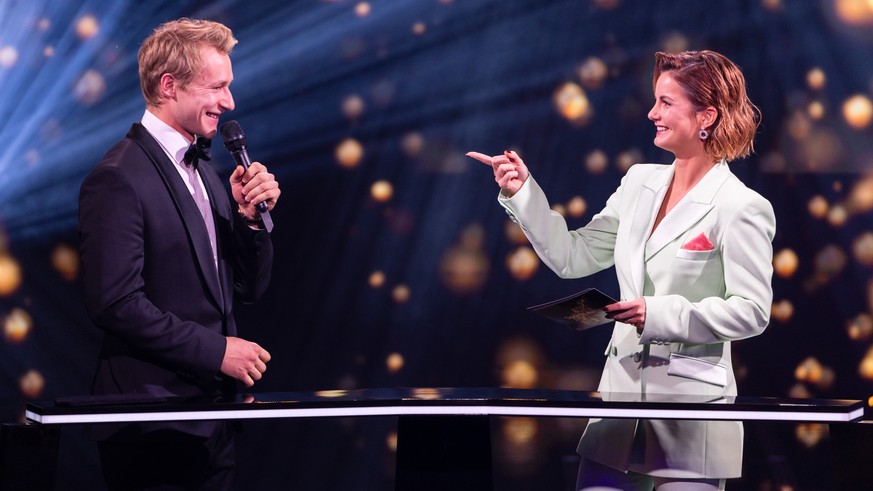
{"type": "Point", "coordinates": [235, 143]}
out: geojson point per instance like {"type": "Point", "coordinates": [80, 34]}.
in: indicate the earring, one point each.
{"type": "Point", "coordinates": [703, 135]}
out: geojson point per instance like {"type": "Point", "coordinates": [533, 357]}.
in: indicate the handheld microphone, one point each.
{"type": "Point", "coordinates": [235, 143]}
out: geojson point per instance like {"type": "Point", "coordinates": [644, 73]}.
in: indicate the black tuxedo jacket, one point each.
{"type": "Point", "coordinates": [150, 281]}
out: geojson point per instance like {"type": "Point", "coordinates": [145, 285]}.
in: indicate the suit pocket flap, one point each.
{"type": "Point", "coordinates": [697, 369]}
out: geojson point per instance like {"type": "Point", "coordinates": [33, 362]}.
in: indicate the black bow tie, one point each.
{"type": "Point", "coordinates": [198, 150]}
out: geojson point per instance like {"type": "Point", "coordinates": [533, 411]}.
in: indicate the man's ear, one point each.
{"type": "Point", "coordinates": [168, 86]}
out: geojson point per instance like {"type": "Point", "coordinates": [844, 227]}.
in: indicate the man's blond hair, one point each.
{"type": "Point", "coordinates": [174, 48]}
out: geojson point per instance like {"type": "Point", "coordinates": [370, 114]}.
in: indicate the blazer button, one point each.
{"type": "Point", "coordinates": [637, 357]}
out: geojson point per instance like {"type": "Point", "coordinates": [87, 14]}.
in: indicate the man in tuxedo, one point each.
{"type": "Point", "coordinates": [165, 254]}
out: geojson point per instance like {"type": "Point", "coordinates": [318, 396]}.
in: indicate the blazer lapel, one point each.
{"type": "Point", "coordinates": [650, 196]}
{"type": "Point", "coordinates": [220, 213]}
{"type": "Point", "coordinates": [694, 206]}
{"type": "Point", "coordinates": [191, 217]}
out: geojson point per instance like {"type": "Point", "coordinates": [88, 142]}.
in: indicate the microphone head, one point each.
{"type": "Point", "coordinates": [233, 136]}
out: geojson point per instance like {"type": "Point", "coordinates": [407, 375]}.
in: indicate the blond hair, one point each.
{"type": "Point", "coordinates": [710, 79]}
{"type": "Point", "coordinates": [174, 48]}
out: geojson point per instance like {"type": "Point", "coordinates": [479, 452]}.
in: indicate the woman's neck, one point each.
{"type": "Point", "coordinates": [689, 171]}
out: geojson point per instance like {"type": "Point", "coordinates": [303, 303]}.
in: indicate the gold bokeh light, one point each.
{"type": "Point", "coordinates": [349, 153]}
{"type": "Point", "coordinates": [785, 263]}
{"type": "Point", "coordinates": [10, 275]}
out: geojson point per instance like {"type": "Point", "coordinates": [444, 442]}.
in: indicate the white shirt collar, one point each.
{"type": "Point", "coordinates": [171, 140]}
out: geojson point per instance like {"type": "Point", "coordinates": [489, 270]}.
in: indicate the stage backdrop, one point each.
{"type": "Point", "coordinates": [395, 266]}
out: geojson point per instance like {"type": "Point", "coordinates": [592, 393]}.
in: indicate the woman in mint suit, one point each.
{"type": "Point", "coordinates": [692, 251]}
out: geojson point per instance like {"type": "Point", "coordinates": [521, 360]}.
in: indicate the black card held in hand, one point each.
{"type": "Point", "coordinates": [581, 311]}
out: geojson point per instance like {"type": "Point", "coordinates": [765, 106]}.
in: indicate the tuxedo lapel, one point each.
{"type": "Point", "coordinates": [694, 206]}
{"type": "Point", "coordinates": [220, 212]}
{"type": "Point", "coordinates": [183, 201]}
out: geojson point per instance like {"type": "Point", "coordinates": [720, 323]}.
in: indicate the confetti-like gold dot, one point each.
{"type": "Point", "coordinates": [816, 110]}
{"type": "Point", "coordinates": [87, 27]}
{"type": "Point", "coordinates": [90, 87]}
{"type": "Point", "coordinates": [838, 215]}
{"type": "Point", "coordinates": [519, 348]}
{"type": "Point", "coordinates": [675, 42]}
{"type": "Point", "coordinates": [349, 153]}
{"type": "Point", "coordinates": [785, 263]}
{"type": "Point", "coordinates": [382, 191]}
{"type": "Point", "coordinates": [520, 431]}
{"type": "Point", "coordinates": [400, 294]}
{"type": "Point", "coordinates": [391, 441]}
{"type": "Point", "coordinates": [522, 263]}
{"type": "Point", "coordinates": [858, 111]}
{"type": "Point", "coordinates": [473, 236]}
{"type": "Point", "coordinates": [626, 159]}
{"type": "Point", "coordinates": [860, 328]}
{"type": "Point", "coordinates": [854, 12]}
{"type": "Point", "coordinates": [596, 162]}
{"type": "Point", "coordinates": [818, 206]}
{"type": "Point", "coordinates": [799, 125]}
{"type": "Point", "coordinates": [48, 51]}
{"type": "Point", "coordinates": [412, 143]}
{"type": "Point", "coordinates": [377, 279]}
{"type": "Point", "coordinates": [572, 103]}
{"type": "Point", "coordinates": [10, 275]}
{"type": "Point", "coordinates": [419, 28]}
{"type": "Point", "coordinates": [860, 198]}
{"type": "Point", "coordinates": [8, 56]}
{"type": "Point", "coordinates": [592, 72]}
{"type": "Point", "coordinates": [862, 248]}
{"type": "Point", "coordinates": [514, 233]}
{"type": "Point", "coordinates": [362, 9]}
{"type": "Point", "coordinates": [65, 260]}
{"type": "Point", "coordinates": [353, 106]}
{"type": "Point", "coordinates": [577, 207]}
{"type": "Point", "coordinates": [809, 370]}
{"type": "Point", "coordinates": [773, 162]}
{"type": "Point", "coordinates": [810, 434]}
{"type": "Point", "coordinates": [782, 310]}
{"type": "Point", "coordinates": [865, 368]}
{"type": "Point", "coordinates": [772, 5]}
{"type": "Point", "coordinates": [820, 151]}
{"type": "Point", "coordinates": [520, 374]}
{"type": "Point", "coordinates": [394, 362]}
{"type": "Point", "coordinates": [44, 24]}
{"type": "Point", "coordinates": [815, 79]}
{"type": "Point", "coordinates": [799, 391]}
{"type": "Point", "coordinates": [463, 269]}
{"type": "Point", "coordinates": [830, 261]}
{"type": "Point", "coordinates": [17, 325]}
{"type": "Point", "coordinates": [31, 384]}
{"type": "Point", "coordinates": [560, 209]}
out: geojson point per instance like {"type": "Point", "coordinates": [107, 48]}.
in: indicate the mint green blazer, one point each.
{"type": "Point", "coordinates": [697, 302]}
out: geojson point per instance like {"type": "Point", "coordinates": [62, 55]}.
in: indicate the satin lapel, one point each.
{"type": "Point", "coordinates": [220, 208]}
{"type": "Point", "coordinates": [191, 217]}
{"type": "Point", "coordinates": [651, 194]}
{"type": "Point", "coordinates": [694, 206]}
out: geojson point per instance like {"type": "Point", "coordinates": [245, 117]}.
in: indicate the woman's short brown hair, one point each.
{"type": "Point", "coordinates": [710, 79]}
{"type": "Point", "coordinates": [174, 48]}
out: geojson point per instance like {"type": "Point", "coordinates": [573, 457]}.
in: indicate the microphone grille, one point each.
{"type": "Point", "coordinates": [233, 136]}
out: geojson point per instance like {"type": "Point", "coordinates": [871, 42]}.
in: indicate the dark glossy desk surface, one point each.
{"type": "Point", "coordinates": [443, 401]}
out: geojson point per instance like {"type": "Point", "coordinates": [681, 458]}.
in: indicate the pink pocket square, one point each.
{"type": "Point", "coordinates": [699, 243]}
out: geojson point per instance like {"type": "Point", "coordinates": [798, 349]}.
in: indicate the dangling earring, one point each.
{"type": "Point", "coordinates": [703, 135]}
